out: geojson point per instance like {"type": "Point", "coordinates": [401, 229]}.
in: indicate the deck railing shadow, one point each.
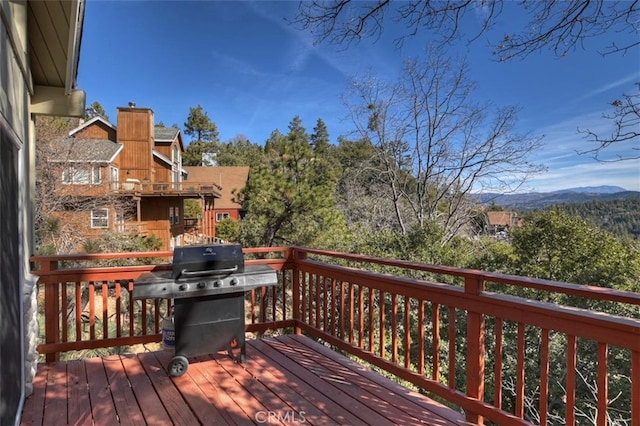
{"type": "Point", "coordinates": [501, 348]}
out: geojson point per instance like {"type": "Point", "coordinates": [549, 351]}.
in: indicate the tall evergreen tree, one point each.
{"type": "Point", "coordinates": [95, 109]}
{"type": "Point", "coordinates": [289, 199]}
{"type": "Point", "coordinates": [204, 145]}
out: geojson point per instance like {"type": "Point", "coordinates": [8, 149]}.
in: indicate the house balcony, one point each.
{"type": "Point", "coordinates": [342, 339]}
{"type": "Point", "coordinates": [183, 189]}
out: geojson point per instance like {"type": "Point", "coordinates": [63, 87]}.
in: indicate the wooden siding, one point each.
{"type": "Point", "coordinates": [155, 213]}
{"type": "Point", "coordinates": [162, 171]}
{"type": "Point", "coordinates": [97, 130]}
{"type": "Point", "coordinates": [165, 148]}
{"type": "Point", "coordinates": [135, 124]}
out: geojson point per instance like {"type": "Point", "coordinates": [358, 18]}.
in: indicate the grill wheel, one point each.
{"type": "Point", "coordinates": [178, 366]}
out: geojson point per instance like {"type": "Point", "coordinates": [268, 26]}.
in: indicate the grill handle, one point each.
{"type": "Point", "coordinates": [185, 273]}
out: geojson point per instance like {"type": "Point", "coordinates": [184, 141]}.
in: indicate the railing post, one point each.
{"type": "Point", "coordinates": [475, 349]}
{"type": "Point", "coordinates": [51, 307]}
{"type": "Point", "coordinates": [296, 256]}
{"type": "Point", "coordinates": [635, 388]}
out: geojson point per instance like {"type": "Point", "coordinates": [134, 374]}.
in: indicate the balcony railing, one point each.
{"type": "Point", "coordinates": [492, 345]}
{"type": "Point", "coordinates": [167, 188]}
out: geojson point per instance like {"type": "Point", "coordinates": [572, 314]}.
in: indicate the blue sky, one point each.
{"type": "Point", "coordinates": [252, 73]}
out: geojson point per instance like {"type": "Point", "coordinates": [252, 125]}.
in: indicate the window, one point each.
{"type": "Point", "coordinates": [100, 218]}
{"type": "Point", "coordinates": [174, 215]}
{"type": "Point", "coordinates": [81, 175]}
{"type": "Point", "coordinates": [221, 216]}
{"type": "Point", "coordinates": [175, 155]}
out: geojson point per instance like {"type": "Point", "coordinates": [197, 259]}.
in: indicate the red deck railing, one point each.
{"type": "Point", "coordinates": [500, 347]}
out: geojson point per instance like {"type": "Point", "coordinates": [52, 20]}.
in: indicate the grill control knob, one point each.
{"type": "Point", "coordinates": [182, 287]}
{"type": "Point", "coordinates": [217, 283]}
{"type": "Point", "coordinates": [202, 284]}
{"type": "Point", "coordinates": [234, 281]}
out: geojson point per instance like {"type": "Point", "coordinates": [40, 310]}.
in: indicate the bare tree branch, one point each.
{"type": "Point", "coordinates": [435, 145]}
{"type": "Point", "coordinates": [558, 25]}
{"type": "Point", "coordinates": [626, 122]}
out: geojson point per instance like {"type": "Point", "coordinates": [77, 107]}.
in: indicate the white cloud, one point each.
{"type": "Point", "coordinates": [623, 82]}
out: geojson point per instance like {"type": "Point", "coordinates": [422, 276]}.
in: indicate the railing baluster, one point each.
{"type": "Point", "coordinates": [570, 414]}
{"type": "Point", "coordinates": [263, 304]}
{"type": "Point", "coordinates": [78, 309]}
{"type": "Point", "coordinates": [497, 367]}
{"type": "Point", "coordinates": [252, 308]}
{"type": "Point", "coordinates": [407, 332]}
{"type": "Point", "coordinates": [360, 316]}
{"type": "Point", "coordinates": [303, 296]}
{"type": "Point", "coordinates": [351, 312]}
{"type": "Point", "coordinates": [342, 304]}
{"type": "Point", "coordinates": [157, 328]}
{"type": "Point", "coordinates": [382, 307]}
{"type": "Point", "coordinates": [274, 302]}
{"type": "Point", "coordinates": [328, 306]}
{"type": "Point", "coordinates": [520, 363]}
{"type": "Point", "coordinates": [131, 310]}
{"type": "Point", "coordinates": [310, 298]}
{"type": "Point", "coordinates": [394, 328]}
{"type": "Point", "coordinates": [92, 310]}
{"type": "Point", "coordinates": [371, 321]}
{"type": "Point", "coordinates": [118, 295]}
{"type": "Point", "coordinates": [143, 325]}
{"type": "Point", "coordinates": [105, 310]}
{"type": "Point", "coordinates": [603, 394]}
{"type": "Point", "coordinates": [635, 388]}
{"type": "Point", "coordinates": [421, 331]}
{"type": "Point", "coordinates": [435, 341]}
{"type": "Point", "coordinates": [284, 298]}
{"type": "Point", "coordinates": [318, 301]}
{"type": "Point", "coordinates": [338, 319]}
{"type": "Point", "coordinates": [452, 348]}
{"type": "Point", "coordinates": [64, 312]}
{"type": "Point", "coordinates": [544, 375]}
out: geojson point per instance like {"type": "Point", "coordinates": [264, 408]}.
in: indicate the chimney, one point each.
{"type": "Point", "coordinates": [136, 133]}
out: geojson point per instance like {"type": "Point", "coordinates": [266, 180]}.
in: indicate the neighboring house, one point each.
{"type": "Point", "coordinates": [499, 223]}
{"type": "Point", "coordinates": [126, 178]}
{"type": "Point", "coordinates": [230, 180]}
{"type": "Point", "coordinates": [39, 55]}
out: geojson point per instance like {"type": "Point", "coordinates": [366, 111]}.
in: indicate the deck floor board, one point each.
{"type": "Point", "coordinates": [287, 379]}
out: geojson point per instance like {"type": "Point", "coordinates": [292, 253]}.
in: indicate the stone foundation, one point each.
{"type": "Point", "coordinates": [30, 300]}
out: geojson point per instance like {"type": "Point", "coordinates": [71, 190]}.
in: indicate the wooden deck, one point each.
{"type": "Point", "coordinates": [289, 379]}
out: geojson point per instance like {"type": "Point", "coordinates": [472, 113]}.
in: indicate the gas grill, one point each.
{"type": "Point", "coordinates": [207, 284]}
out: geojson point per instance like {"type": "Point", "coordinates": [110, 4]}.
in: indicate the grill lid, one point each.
{"type": "Point", "coordinates": [203, 260]}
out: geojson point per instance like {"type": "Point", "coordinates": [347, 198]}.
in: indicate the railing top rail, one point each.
{"type": "Point", "coordinates": [582, 290]}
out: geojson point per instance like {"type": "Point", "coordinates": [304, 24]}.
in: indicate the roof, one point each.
{"type": "Point", "coordinates": [90, 122]}
{"type": "Point", "coordinates": [165, 134]}
{"type": "Point", "coordinates": [229, 178]}
{"type": "Point", "coordinates": [500, 218]}
{"type": "Point", "coordinates": [54, 34]}
{"type": "Point", "coordinates": [84, 150]}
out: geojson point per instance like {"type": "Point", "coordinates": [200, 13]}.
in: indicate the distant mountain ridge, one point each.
{"type": "Point", "coordinates": [602, 189]}
{"type": "Point", "coordinates": [540, 200]}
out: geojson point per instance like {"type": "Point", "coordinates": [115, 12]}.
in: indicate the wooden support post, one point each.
{"type": "Point", "coordinates": [296, 256]}
{"type": "Point", "coordinates": [51, 308]}
{"type": "Point", "coordinates": [475, 350]}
